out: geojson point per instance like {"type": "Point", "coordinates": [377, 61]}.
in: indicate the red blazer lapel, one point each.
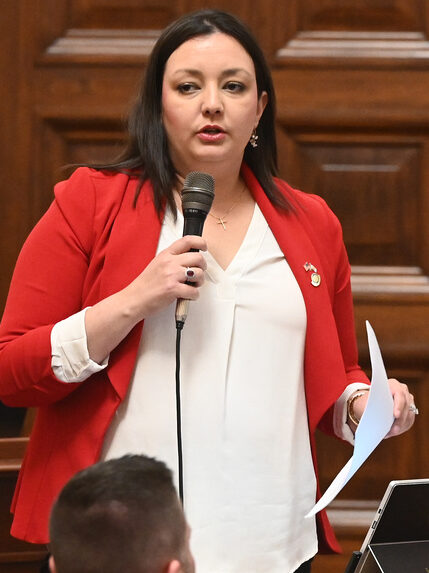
{"type": "Point", "coordinates": [132, 245]}
{"type": "Point", "coordinates": [133, 240]}
{"type": "Point", "coordinates": [325, 376]}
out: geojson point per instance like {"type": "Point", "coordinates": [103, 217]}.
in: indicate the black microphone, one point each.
{"type": "Point", "coordinates": [197, 198]}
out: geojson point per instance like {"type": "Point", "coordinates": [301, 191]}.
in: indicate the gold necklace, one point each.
{"type": "Point", "coordinates": [222, 220]}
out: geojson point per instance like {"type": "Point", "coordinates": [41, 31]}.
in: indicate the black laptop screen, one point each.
{"type": "Point", "coordinates": [405, 516]}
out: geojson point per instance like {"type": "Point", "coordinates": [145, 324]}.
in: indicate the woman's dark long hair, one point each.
{"type": "Point", "coordinates": [146, 154]}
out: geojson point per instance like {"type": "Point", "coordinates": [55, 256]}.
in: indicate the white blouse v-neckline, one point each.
{"type": "Point", "coordinates": [244, 255]}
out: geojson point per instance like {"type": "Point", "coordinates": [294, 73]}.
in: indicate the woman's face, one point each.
{"type": "Point", "coordinates": [210, 103]}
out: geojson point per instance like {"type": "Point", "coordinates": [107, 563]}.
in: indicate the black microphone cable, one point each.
{"type": "Point", "coordinates": [179, 412]}
{"type": "Point", "coordinates": [197, 198]}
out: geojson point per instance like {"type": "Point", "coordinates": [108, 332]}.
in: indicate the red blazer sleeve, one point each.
{"type": "Point", "coordinates": [46, 287]}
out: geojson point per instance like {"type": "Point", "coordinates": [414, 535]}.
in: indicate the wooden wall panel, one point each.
{"type": "Point", "coordinates": [15, 556]}
{"type": "Point", "coordinates": [358, 15]}
{"type": "Point", "coordinates": [352, 85]}
{"type": "Point", "coordinates": [128, 14]}
{"type": "Point", "coordinates": [65, 142]}
{"type": "Point", "coordinates": [355, 32]}
{"type": "Point", "coordinates": [14, 137]}
{"type": "Point", "coordinates": [373, 189]}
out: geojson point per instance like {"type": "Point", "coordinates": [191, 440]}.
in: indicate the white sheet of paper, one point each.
{"type": "Point", "coordinates": [375, 423]}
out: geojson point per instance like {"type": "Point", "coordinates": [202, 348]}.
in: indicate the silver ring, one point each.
{"type": "Point", "coordinates": [189, 273]}
{"type": "Point", "coordinates": [414, 409]}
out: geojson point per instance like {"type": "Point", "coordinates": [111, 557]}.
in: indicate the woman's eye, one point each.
{"type": "Point", "coordinates": [234, 87]}
{"type": "Point", "coordinates": [187, 88]}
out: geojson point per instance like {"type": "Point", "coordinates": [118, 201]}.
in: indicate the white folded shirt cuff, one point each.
{"type": "Point", "coordinates": [70, 357]}
{"type": "Point", "coordinates": [341, 428]}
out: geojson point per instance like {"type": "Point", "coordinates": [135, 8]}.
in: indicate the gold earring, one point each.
{"type": "Point", "coordinates": [254, 139]}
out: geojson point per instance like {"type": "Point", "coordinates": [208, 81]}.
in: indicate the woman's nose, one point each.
{"type": "Point", "coordinates": [212, 103]}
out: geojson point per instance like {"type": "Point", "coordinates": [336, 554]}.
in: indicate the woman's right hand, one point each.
{"type": "Point", "coordinates": [164, 280]}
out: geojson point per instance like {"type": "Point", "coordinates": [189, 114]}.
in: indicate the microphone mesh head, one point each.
{"type": "Point", "coordinates": [198, 192]}
{"type": "Point", "coordinates": [200, 181]}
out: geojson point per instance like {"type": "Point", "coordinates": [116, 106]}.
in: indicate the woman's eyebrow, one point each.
{"type": "Point", "coordinates": [235, 71]}
{"type": "Point", "coordinates": [224, 73]}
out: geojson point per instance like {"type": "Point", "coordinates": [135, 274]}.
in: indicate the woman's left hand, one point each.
{"type": "Point", "coordinates": [403, 408]}
{"type": "Point", "coordinates": [403, 402]}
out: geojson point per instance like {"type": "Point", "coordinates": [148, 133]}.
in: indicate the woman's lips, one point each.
{"type": "Point", "coordinates": [211, 134]}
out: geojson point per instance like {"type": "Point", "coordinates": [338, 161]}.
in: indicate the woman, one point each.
{"type": "Point", "coordinates": [268, 351]}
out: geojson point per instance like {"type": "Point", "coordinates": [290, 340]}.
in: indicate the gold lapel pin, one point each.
{"type": "Point", "coordinates": [315, 277]}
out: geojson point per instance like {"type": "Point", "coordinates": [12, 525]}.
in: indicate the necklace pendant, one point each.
{"type": "Point", "coordinates": [222, 222]}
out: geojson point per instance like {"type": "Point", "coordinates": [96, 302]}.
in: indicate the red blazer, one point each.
{"type": "Point", "coordinates": [91, 243]}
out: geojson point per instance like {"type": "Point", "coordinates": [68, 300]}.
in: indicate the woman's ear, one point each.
{"type": "Point", "coordinates": [262, 103]}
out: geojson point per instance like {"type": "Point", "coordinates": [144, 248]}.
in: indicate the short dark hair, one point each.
{"type": "Point", "coordinates": [121, 514]}
{"type": "Point", "coordinates": [147, 151]}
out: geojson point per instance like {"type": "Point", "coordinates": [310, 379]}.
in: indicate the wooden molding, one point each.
{"type": "Point", "coordinates": [356, 48]}
{"type": "Point", "coordinates": [12, 452]}
{"type": "Point", "coordinates": [82, 46]}
{"type": "Point", "coordinates": [403, 281]}
{"type": "Point", "coordinates": [16, 557]}
{"type": "Point", "coordinates": [352, 516]}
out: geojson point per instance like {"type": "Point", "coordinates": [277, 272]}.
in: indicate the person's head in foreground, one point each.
{"type": "Point", "coordinates": [120, 515]}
